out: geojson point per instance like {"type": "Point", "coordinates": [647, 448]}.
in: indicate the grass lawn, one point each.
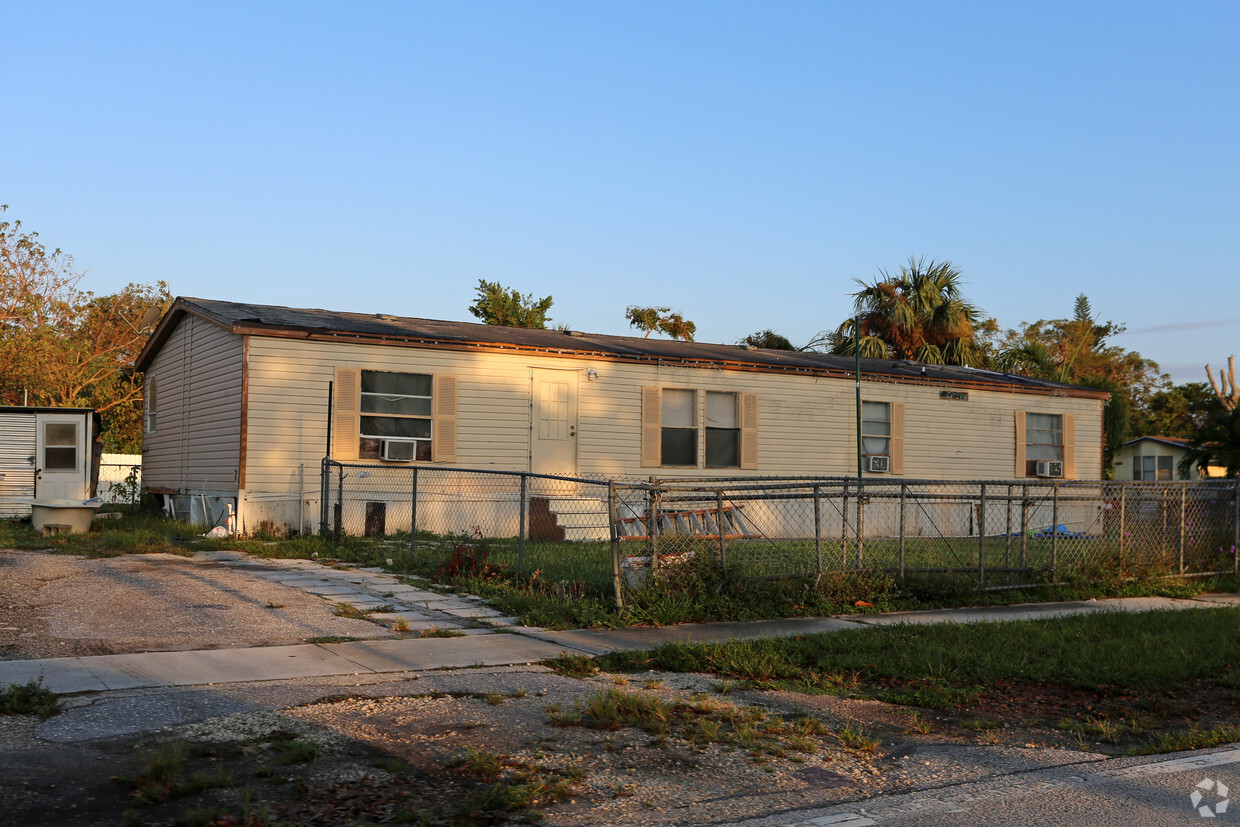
{"type": "Point", "coordinates": [1154, 681]}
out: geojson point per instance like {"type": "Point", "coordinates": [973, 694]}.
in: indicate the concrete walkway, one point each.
{"type": "Point", "coordinates": [478, 645]}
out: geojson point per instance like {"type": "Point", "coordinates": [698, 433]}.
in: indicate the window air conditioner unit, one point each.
{"type": "Point", "coordinates": [878, 464]}
{"type": "Point", "coordinates": [1048, 468]}
{"type": "Point", "coordinates": [397, 451]}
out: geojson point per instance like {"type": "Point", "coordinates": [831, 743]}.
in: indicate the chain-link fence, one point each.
{"type": "Point", "coordinates": [603, 535]}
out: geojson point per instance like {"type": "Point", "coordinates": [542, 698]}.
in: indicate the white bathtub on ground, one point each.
{"type": "Point", "coordinates": [67, 516]}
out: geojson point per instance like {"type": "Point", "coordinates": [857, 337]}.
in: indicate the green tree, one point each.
{"type": "Point", "coordinates": [661, 319]}
{"type": "Point", "coordinates": [1074, 351]}
{"type": "Point", "coordinates": [1216, 443]}
{"type": "Point", "coordinates": [1174, 410]}
{"type": "Point", "coordinates": [768, 339]}
{"type": "Point", "coordinates": [499, 305]}
{"type": "Point", "coordinates": [919, 313]}
{"type": "Point", "coordinates": [64, 347]}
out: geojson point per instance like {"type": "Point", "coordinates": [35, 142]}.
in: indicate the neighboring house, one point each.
{"type": "Point", "coordinates": [237, 401]}
{"type": "Point", "coordinates": [1152, 458]}
{"type": "Point", "coordinates": [47, 454]}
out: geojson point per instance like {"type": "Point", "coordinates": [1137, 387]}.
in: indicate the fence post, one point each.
{"type": "Point", "coordinates": [723, 560]}
{"type": "Point", "coordinates": [325, 484]}
{"type": "Point", "coordinates": [655, 497]}
{"type": "Point", "coordinates": [1007, 532]}
{"type": "Point", "coordinates": [616, 574]}
{"type": "Point", "coordinates": [1235, 528]}
{"type": "Point", "coordinates": [818, 532]}
{"type": "Point", "coordinates": [903, 492]}
{"type": "Point", "coordinates": [981, 539]}
{"type": "Point", "coordinates": [861, 501]}
{"type": "Point", "coordinates": [1024, 524]}
{"type": "Point", "coordinates": [521, 528]}
{"type": "Point", "coordinates": [413, 515]}
{"type": "Point", "coordinates": [339, 506]}
{"type": "Point", "coordinates": [844, 531]}
{"type": "Point", "coordinates": [1180, 541]}
{"type": "Point", "coordinates": [1055, 532]}
{"type": "Point", "coordinates": [1123, 507]}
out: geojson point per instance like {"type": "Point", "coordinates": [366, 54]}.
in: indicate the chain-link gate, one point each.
{"type": "Point", "coordinates": [608, 535]}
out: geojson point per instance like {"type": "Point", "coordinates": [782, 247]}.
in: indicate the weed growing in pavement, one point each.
{"type": "Point", "coordinates": [439, 631]}
{"type": "Point", "coordinates": [572, 666]}
{"type": "Point", "coordinates": [350, 611]}
{"type": "Point", "coordinates": [857, 739]}
{"type": "Point", "coordinates": [331, 639]}
{"type": "Point", "coordinates": [1193, 738]}
{"type": "Point", "coordinates": [701, 721]}
{"type": "Point", "coordinates": [30, 698]}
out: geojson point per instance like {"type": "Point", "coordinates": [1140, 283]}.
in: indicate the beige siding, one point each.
{"type": "Point", "coordinates": [806, 424]}
{"type": "Point", "coordinates": [197, 441]}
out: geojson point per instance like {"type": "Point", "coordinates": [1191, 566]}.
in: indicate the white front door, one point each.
{"type": "Point", "coordinates": [553, 441]}
{"type": "Point", "coordinates": [61, 457]}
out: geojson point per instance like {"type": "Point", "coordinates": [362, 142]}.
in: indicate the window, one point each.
{"type": "Point", "coordinates": [1151, 468]}
{"type": "Point", "coordinates": [691, 428]}
{"type": "Point", "coordinates": [723, 430]}
{"type": "Point", "coordinates": [60, 447]}
{"type": "Point", "coordinates": [149, 406]}
{"type": "Point", "coordinates": [1043, 440]}
{"type": "Point", "coordinates": [393, 415]}
{"type": "Point", "coordinates": [876, 429]}
{"type": "Point", "coordinates": [396, 416]}
{"type": "Point", "coordinates": [680, 435]}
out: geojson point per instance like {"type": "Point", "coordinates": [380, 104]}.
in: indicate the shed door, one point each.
{"type": "Point", "coordinates": [553, 441]}
{"type": "Point", "coordinates": [61, 456]}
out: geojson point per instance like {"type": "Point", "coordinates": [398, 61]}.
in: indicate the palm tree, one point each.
{"type": "Point", "coordinates": [1216, 443]}
{"type": "Point", "coordinates": [919, 314]}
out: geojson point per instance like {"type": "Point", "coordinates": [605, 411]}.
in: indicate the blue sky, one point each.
{"type": "Point", "coordinates": [740, 162]}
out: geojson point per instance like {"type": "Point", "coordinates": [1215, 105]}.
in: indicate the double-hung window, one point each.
{"type": "Point", "coordinates": [1043, 440]}
{"type": "Point", "coordinates": [723, 430]}
{"type": "Point", "coordinates": [876, 429]}
{"type": "Point", "coordinates": [697, 428]}
{"type": "Point", "coordinates": [396, 416]}
{"type": "Point", "coordinates": [149, 406]}
{"type": "Point", "coordinates": [680, 433]}
{"type": "Point", "coordinates": [1151, 468]}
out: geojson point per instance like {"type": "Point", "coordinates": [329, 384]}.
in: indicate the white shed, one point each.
{"type": "Point", "coordinates": [47, 454]}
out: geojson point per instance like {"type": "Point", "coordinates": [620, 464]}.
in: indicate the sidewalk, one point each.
{"type": "Point", "coordinates": [519, 645]}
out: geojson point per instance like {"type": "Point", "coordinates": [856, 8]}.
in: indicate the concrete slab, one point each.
{"type": "Point", "coordinates": [602, 641]}
{"type": "Point", "coordinates": [1221, 599]}
{"type": "Point", "coordinates": [217, 666]}
{"type": "Point", "coordinates": [984, 614]}
{"type": "Point", "coordinates": [446, 653]}
{"type": "Point", "coordinates": [470, 611]}
{"type": "Point", "coordinates": [60, 675]}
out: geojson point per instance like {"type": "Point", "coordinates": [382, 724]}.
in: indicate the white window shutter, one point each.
{"type": "Point", "coordinates": [1069, 446]}
{"type": "Point", "coordinates": [443, 444]}
{"type": "Point", "coordinates": [346, 414]}
{"type": "Point", "coordinates": [652, 427]}
{"type": "Point", "coordinates": [749, 431]}
{"type": "Point", "coordinates": [1020, 444]}
{"type": "Point", "coordinates": [897, 437]}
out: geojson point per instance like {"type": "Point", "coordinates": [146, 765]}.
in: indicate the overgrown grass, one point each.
{"type": "Point", "coordinates": [30, 698]}
{"type": "Point", "coordinates": [701, 721]}
{"type": "Point", "coordinates": [946, 665]}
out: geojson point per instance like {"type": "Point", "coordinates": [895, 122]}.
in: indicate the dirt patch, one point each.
{"type": "Point", "coordinates": [55, 605]}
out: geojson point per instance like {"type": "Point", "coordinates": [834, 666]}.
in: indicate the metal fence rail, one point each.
{"type": "Point", "coordinates": [605, 534]}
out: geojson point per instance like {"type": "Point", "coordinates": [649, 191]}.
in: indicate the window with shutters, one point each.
{"type": "Point", "coordinates": [876, 429]}
{"type": "Point", "coordinates": [680, 433]}
{"type": "Point", "coordinates": [723, 430]}
{"type": "Point", "coordinates": [396, 421]}
{"type": "Point", "coordinates": [1043, 440]}
{"type": "Point", "coordinates": [691, 428]}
